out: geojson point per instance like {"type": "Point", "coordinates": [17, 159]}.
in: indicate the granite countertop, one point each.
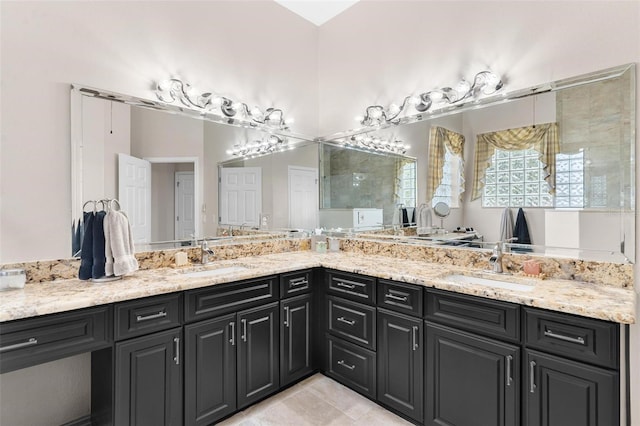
{"type": "Point", "coordinates": [610, 303]}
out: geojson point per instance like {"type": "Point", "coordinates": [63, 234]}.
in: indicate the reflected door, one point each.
{"type": "Point", "coordinates": [185, 205]}
{"type": "Point", "coordinates": [240, 195]}
{"type": "Point", "coordinates": [134, 193]}
{"type": "Point", "coordinates": [303, 197]}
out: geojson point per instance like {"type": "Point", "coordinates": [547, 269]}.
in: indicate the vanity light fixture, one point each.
{"type": "Point", "coordinates": [373, 143]}
{"type": "Point", "coordinates": [173, 90]}
{"type": "Point", "coordinates": [484, 83]}
{"type": "Point", "coordinates": [258, 147]}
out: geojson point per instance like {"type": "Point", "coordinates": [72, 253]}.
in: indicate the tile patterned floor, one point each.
{"type": "Point", "coordinates": [317, 400]}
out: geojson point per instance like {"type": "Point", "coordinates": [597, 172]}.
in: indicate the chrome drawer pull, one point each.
{"type": "Point", "coordinates": [346, 321]}
{"type": "Point", "coordinates": [532, 376]}
{"type": "Point", "coordinates": [244, 330]}
{"type": "Point", "coordinates": [232, 324]}
{"type": "Point", "coordinates": [415, 337]}
{"type": "Point", "coordinates": [345, 285]}
{"type": "Point", "coordinates": [549, 333]}
{"type": "Point", "coordinates": [345, 365]}
{"type": "Point", "coordinates": [286, 316]}
{"type": "Point", "coordinates": [298, 281]}
{"type": "Point", "coordinates": [32, 341]}
{"type": "Point", "coordinates": [394, 297]}
{"type": "Point", "coordinates": [509, 378]}
{"type": "Point", "coordinates": [176, 358]}
{"type": "Point", "coordinates": [160, 314]}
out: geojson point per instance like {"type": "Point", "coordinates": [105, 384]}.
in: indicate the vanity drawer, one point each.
{"type": "Point", "coordinates": [33, 341]}
{"type": "Point", "coordinates": [584, 339]}
{"type": "Point", "coordinates": [352, 365]}
{"type": "Point", "coordinates": [352, 286]}
{"type": "Point", "coordinates": [400, 297]}
{"type": "Point", "coordinates": [144, 316]}
{"type": "Point", "coordinates": [221, 299]}
{"type": "Point", "coordinates": [294, 283]}
{"type": "Point", "coordinates": [352, 321]}
{"type": "Point", "coordinates": [488, 317]}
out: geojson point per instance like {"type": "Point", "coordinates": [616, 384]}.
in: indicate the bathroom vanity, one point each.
{"type": "Point", "coordinates": [194, 346]}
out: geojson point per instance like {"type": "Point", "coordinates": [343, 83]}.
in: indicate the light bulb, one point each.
{"type": "Point", "coordinates": [394, 109]}
{"type": "Point", "coordinates": [435, 95]}
{"type": "Point", "coordinates": [289, 120]}
{"type": "Point", "coordinates": [463, 87]}
{"type": "Point", "coordinates": [359, 118]}
{"type": "Point", "coordinates": [255, 111]}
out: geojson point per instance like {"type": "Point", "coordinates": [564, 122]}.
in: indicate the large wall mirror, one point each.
{"type": "Point", "coordinates": [583, 127]}
{"type": "Point", "coordinates": [590, 215]}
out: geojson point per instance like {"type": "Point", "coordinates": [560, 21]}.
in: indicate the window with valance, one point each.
{"type": "Point", "coordinates": [445, 166]}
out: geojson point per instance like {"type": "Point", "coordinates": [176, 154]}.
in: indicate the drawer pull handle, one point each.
{"type": "Point", "coordinates": [346, 321]}
{"type": "Point", "coordinates": [394, 297]}
{"type": "Point", "coordinates": [532, 376]}
{"type": "Point", "coordinates": [244, 330]}
{"type": "Point", "coordinates": [578, 340]}
{"type": "Point", "coordinates": [415, 337]}
{"type": "Point", "coordinates": [176, 358]}
{"type": "Point", "coordinates": [509, 378]}
{"type": "Point", "coordinates": [232, 340]}
{"type": "Point", "coordinates": [345, 365]}
{"type": "Point", "coordinates": [298, 281]}
{"type": "Point", "coordinates": [160, 314]}
{"type": "Point", "coordinates": [32, 341]}
{"type": "Point", "coordinates": [286, 316]}
{"type": "Point", "coordinates": [345, 285]}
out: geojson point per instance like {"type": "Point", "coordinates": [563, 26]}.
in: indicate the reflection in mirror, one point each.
{"type": "Point", "coordinates": [161, 165]}
{"type": "Point", "coordinates": [577, 198]}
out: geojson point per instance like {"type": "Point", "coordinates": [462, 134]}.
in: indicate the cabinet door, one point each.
{"type": "Point", "coordinates": [569, 393]}
{"type": "Point", "coordinates": [295, 339]}
{"type": "Point", "coordinates": [400, 363]}
{"type": "Point", "coordinates": [148, 379]}
{"type": "Point", "coordinates": [258, 353]}
{"type": "Point", "coordinates": [210, 370]}
{"type": "Point", "coordinates": [470, 380]}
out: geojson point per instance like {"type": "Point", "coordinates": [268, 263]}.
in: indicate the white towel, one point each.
{"type": "Point", "coordinates": [119, 247]}
{"type": "Point", "coordinates": [423, 219]}
{"type": "Point", "coordinates": [506, 225]}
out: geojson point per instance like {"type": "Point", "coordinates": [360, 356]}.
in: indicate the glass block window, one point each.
{"type": "Point", "coordinates": [408, 184]}
{"type": "Point", "coordinates": [570, 181]}
{"type": "Point", "coordinates": [449, 189]}
{"type": "Point", "coordinates": [516, 179]}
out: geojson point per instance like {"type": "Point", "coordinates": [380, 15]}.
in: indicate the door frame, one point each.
{"type": "Point", "coordinates": [304, 169]}
{"type": "Point", "coordinates": [197, 183]}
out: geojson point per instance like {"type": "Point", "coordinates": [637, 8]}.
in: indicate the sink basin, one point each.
{"type": "Point", "coordinates": [487, 282]}
{"type": "Point", "coordinates": [213, 271]}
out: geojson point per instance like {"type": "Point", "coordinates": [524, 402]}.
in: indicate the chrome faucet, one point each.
{"type": "Point", "coordinates": [496, 256]}
{"type": "Point", "coordinates": [206, 252]}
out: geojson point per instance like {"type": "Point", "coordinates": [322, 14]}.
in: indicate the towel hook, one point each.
{"type": "Point", "coordinates": [115, 201]}
{"type": "Point", "coordinates": [89, 202]}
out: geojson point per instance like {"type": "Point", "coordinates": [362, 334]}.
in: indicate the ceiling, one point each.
{"type": "Point", "coordinates": [317, 11]}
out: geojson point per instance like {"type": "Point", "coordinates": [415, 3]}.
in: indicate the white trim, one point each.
{"type": "Point", "coordinates": [197, 183]}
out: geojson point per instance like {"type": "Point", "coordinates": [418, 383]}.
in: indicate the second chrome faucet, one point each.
{"type": "Point", "coordinates": [206, 253]}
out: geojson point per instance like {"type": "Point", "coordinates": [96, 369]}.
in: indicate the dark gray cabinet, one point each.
{"type": "Point", "coordinates": [148, 380]}
{"type": "Point", "coordinates": [471, 380]}
{"type": "Point", "coordinates": [210, 370]}
{"type": "Point", "coordinates": [258, 353]}
{"type": "Point", "coordinates": [400, 363]}
{"type": "Point", "coordinates": [569, 393]}
{"type": "Point", "coordinates": [295, 339]}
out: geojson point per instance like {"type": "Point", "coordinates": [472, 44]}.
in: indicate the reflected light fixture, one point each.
{"type": "Point", "coordinates": [373, 143]}
{"type": "Point", "coordinates": [175, 90]}
{"type": "Point", "coordinates": [484, 83]}
{"type": "Point", "coordinates": [257, 148]}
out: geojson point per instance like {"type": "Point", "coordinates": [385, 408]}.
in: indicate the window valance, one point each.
{"type": "Point", "coordinates": [441, 139]}
{"type": "Point", "coordinates": [542, 137]}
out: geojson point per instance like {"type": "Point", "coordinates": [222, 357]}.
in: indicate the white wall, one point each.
{"type": "Point", "coordinates": [255, 51]}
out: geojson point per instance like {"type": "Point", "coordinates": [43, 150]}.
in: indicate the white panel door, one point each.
{"type": "Point", "coordinates": [303, 197]}
{"type": "Point", "coordinates": [134, 194]}
{"type": "Point", "coordinates": [240, 195]}
{"type": "Point", "coordinates": [185, 205]}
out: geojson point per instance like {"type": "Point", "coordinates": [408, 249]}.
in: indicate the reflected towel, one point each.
{"type": "Point", "coordinates": [506, 225]}
{"type": "Point", "coordinates": [521, 230]}
{"type": "Point", "coordinates": [405, 217]}
{"type": "Point", "coordinates": [97, 271]}
{"type": "Point", "coordinates": [119, 247]}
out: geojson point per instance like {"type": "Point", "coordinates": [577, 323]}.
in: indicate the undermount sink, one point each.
{"type": "Point", "coordinates": [212, 271]}
{"type": "Point", "coordinates": [487, 282]}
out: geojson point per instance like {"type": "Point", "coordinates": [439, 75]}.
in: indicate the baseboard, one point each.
{"type": "Point", "coordinates": [82, 421]}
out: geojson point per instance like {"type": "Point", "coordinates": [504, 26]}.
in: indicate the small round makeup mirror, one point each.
{"type": "Point", "coordinates": [442, 210]}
